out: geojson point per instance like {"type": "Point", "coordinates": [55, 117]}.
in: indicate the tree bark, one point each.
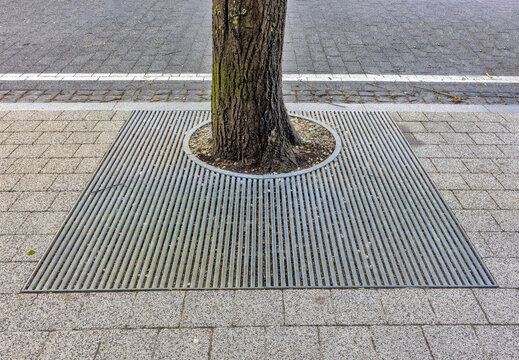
{"type": "Point", "coordinates": [249, 119]}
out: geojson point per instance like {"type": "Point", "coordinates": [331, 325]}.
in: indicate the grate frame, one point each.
{"type": "Point", "coordinates": [368, 217]}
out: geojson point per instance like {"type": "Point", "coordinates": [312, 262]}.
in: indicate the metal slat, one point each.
{"type": "Point", "coordinates": [153, 217]}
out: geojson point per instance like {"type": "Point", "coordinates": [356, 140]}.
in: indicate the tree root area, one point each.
{"type": "Point", "coordinates": [317, 145]}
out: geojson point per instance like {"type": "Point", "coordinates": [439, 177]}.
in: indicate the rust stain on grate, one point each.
{"type": "Point", "coordinates": [151, 218]}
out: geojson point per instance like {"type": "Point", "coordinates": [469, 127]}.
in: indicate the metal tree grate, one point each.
{"type": "Point", "coordinates": [151, 218]}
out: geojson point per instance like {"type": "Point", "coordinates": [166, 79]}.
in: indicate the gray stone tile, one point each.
{"type": "Point", "coordinates": [9, 245]}
{"type": "Point", "coordinates": [121, 115]}
{"type": "Point", "coordinates": [33, 201]}
{"type": "Point", "coordinates": [182, 344]}
{"type": "Point", "coordinates": [428, 166]}
{"type": "Point", "coordinates": [70, 182]}
{"type": "Point", "coordinates": [105, 310]}
{"type": "Point", "coordinates": [7, 199]}
{"type": "Point", "coordinates": [482, 181]}
{"type": "Point", "coordinates": [42, 223]}
{"type": "Point", "coordinates": [449, 181]}
{"type": "Point", "coordinates": [22, 138]}
{"type": "Point", "coordinates": [28, 151]}
{"type": "Point", "coordinates": [65, 200]}
{"type": "Point", "coordinates": [83, 137]}
{"type": "Point", "coordinates": [475, 199]}
{"type": "Point", "coordinates": [22, 125]}
{"type": "Point", "coordinates": [52, 138]}
{"type": "Point", "coordinates": [207, 309]}
{"type": "Point", "coordinates": [308, 307]}
{"type": "Point", "coordinates": [486, 151]}
{"type": "Point", "coordinates": [5, 163]}
{"type": "Point", "coordinates": [456, 306]}
{"type": "Point", "coordinates": [448, 165]}
{"type": "Point", "coordinates": [499, 342]}
{"type": "Point", "coordinates": [429, 151]}
{"type": "Point", "coordinates": [400, 342]}
{"type": "Point", "coordinates": [238, 343]}
{"type": "Point", "coordinates": [61, 166]}
{"type": "Point", "coordinates": [32, 247]}
{"type": "Point", "coordinates": [45, 115]}
{"type": "Point", "coordinates": [92, 150]}
{"type": "Point", "coordinates": [35, 182]}
{"type": "Point", "coordinates": [509, 182]}
{"type": "Point", "coordinates": [127, 344]}
{"type": "Point", "coordinates": [157, 309]}
{"type": "Point", "coordinates": [453, 342]}
{"type": "Point", "coordinates": [88, 165]}
{"type": "Point", "coordinates": [450, 199]}
{"type": "Point", "coordinates": [71, 345]}
{"type": "Point", "coordinates": [13, 276]}
{"type": "Point", "coordinates": [465, 127]}
{"type": "Point", "coordinates": [511, 151]}
{"type": "Point", "coordinates": [15, 310]}
{"type": "Point", "coordinates": [505, 271]}
{"type": "Point", "coordinates": [352, 342]}
{"type": "Point", "coordinates": [6, 150]}
{"type": "Point", "coordinates": [481, 165]}
{"type": "Point", "coordinates": [457, 138]}
{"type": "Point", "coordinates": [258, 308]}
{"type": "Point", "coordinates": [487, 117]}
{"type": "Point", "coordinates": [508, 220]}
{"type": "Point", "coordinates": [8, 181]}
{"type": "Point", "coordinates": [500, 305]}
{"type": "Point", "coordinates": [477, 220]}
{"type": "Point", "coordinates": [482, 247]}
{"type": "Point", "coordinates": [21, 345]}
{"type": "Point", "coordinates": [81, 125]}
{"type": "Point", "coordinates": [413, 116]}
{"type": "Point", "coordinates": [503, 244]}
{"type": "Point", "coordinates": [486, 138]}
{"type": "Point", "coordinates": [358, 307]}
{"type": "Point", "coordinates": [407, 306]}
{"type": "Point", "coordinates": [11, 221]}
{"type": "Point", "coordinates": [508, 166]}
{"type": "Point", "coordinates": [110, 125]}
{"type": "Point", "coordinates": [438, 126]}
{"type": "Point", "coordinates": [411, 126]}
{"type": "Point", "coordinates": [506, 200]}
{"type": "Point", "coordinates": [292, 343]}
{"type": "Point", "coordinates": [54, 311]}
{"type": "Point", "coordinates": [51, 125]}
{"type": "Point", "coordinates": [107, 137]}
{"type": "Point", "coordinates": [99, 115]}
{"type": "Point", "coordinates": [72, 115]}
{"type": "Point", "coordinates": [61, 150]}
{"type": "Point", "coordinates": [27, 166]}
{"type": "Point", "coordinates": [429, 138]}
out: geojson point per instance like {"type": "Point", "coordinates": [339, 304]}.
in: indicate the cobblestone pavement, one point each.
{"type": "Point", "coordinates": [441, 37]}
{"type": "Point", "coordinates": [46, 158]}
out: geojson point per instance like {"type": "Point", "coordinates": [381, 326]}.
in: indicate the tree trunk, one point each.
{"type": "Point", "coordinates": [249, 120]}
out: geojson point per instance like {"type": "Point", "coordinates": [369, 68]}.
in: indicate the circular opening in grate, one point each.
{"type": "Point", "coordinates": [189, 135]}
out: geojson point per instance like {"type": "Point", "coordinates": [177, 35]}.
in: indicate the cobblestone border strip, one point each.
{"type": "Point", "coordinates": [482, 79]}
{"type": "Point", "coordinates": [129, 106]}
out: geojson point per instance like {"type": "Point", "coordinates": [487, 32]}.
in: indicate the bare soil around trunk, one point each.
{"type": "Point", "coordinates": [318, 144]}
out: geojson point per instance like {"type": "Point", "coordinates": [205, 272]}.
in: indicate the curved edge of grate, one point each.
{"type": "Point", "coordinates": [151, 219]}
{"type": "Point", "coordinates": [329, 159]}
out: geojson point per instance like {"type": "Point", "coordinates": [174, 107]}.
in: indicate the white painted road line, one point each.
{"type": "Point", "coordinates": [128, 106]}
{"type": "Point", "coordinates": [482, 79]}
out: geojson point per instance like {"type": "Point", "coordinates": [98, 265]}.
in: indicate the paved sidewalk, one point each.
{"type": "Point", "coordinates": [47, 157]}
{"type": "Point", "coordinates": [438, 37]}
